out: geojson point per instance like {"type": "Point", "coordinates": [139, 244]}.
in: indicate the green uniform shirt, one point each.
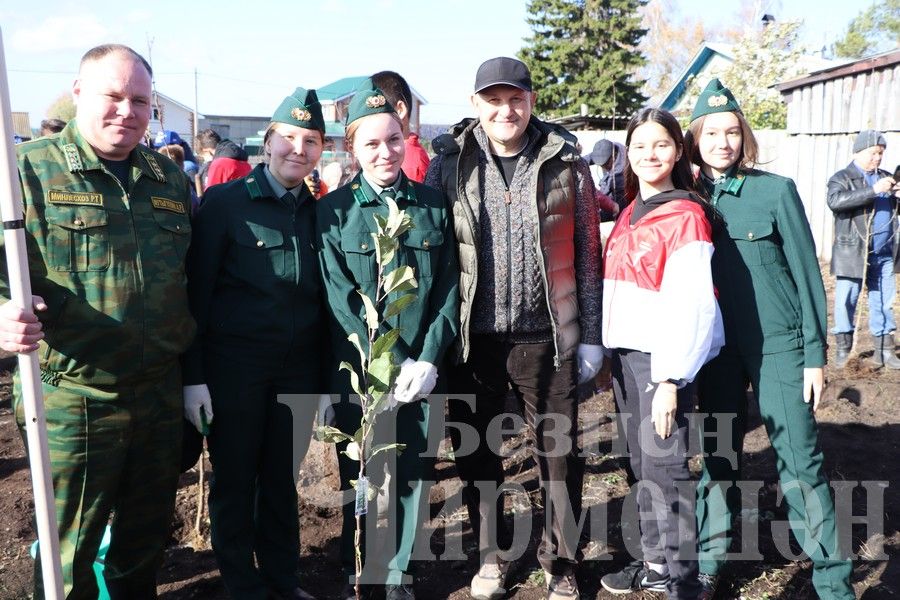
{"type": "Point", "coordinates": [108, 261]}
{"type": "Point", "coordinates": [345, 221]}
{"type": "Point", "coordinates": [253, 273]}
{"type": "Point", "coordinates": [765, 269]}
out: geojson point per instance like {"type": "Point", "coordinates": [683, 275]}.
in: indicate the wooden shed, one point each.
{"type": "Point", "coordinates": [826, 110]}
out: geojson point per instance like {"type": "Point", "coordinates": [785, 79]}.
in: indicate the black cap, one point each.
{"type": "Point", "coordinates": [503, 71]}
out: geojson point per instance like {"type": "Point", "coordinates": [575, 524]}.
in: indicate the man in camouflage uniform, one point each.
{"type": "Point", "coordinates": [107, 231]}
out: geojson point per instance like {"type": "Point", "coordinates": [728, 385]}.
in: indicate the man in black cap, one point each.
{"type": "Point", "coordinates": [864, 201]}
{"type": "Point", "coordinates": [610, 156]}
{"type": "Point", "coordinates": [525, 219]}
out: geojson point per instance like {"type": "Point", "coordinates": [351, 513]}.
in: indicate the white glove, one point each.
{"type": "Point", "coordinates": [196, 397]}
{"type": "Point", "coordinates": [416, 380]}
{"type": "Point", "coordinates": [590, 359]}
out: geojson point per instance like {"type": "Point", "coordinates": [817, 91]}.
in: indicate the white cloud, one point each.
{"type": "Point", "coordinates": [75, 32]}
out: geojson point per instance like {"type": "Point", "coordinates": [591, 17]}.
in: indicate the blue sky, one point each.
{"type": "Point", "coordinates": [250, 55]}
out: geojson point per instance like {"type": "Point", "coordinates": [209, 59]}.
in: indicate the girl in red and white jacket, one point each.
{"type": "Point", "coordinates": [661, 322]}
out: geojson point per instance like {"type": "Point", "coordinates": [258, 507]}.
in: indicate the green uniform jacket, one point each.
{"type": "Point", "coordinates": [253, 274]}
{"type": "Point", "coordinates": [345, 221]}
{"type": "Point", "coordinates": [765, 268]}
{"type": "Point", "coordinates": [108, 261]}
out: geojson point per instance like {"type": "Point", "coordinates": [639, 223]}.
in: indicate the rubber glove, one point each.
{"type": "Point", "coordinates": [196, 399]}
{"type": "Point", "coordinates": [416, 380]}
{"type": "Point", "coordinates": [590, 358]}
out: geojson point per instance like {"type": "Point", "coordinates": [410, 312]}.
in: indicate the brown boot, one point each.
{"type": "Point", "coordinates": [888, 356]}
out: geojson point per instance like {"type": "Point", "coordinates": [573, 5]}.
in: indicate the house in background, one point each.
{"type": "Point", "coordinates": [172, 115]}
{"type": "Point", "coordinates": [826, 110]}
{"type": "Point", "coordinates": [22, 126]}
{"type": "Point", "coordinates": [711, 60]}
{"type": "Point", "coordinates": [335, 98]}
{"type": "Point", "coordinates": [244, 131]}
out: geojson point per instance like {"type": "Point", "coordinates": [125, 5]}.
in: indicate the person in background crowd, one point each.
{"type": "Point", "coordinates": [51, 126]}
{"type": "Point", "coordinates": [773, 305]}
{"type": "Point", "coordinates": [205, 142]}
{"type": "Point", "coordinates": [256, 293]}
{"type": "Point", "coordinates": [427, 326]}
{"type": "Point", "coordinates": [864, 200]}
{"type": "Point", "coordinates": [662, 323]}
{"type": "Point", "coordinates": [610, 156]}
{"type": "Point", "coordinates": [530, 307]}
{"type": "Point", "coordinates": [230, 162]}
{"type": "Point", "coordinates": [108, 227]}
{"type": "Point", "coordinates": [398, 93]}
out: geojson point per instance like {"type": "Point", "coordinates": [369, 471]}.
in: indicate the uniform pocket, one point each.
{"type": "Point", "coordinates": [423, 247]}
{"type": "Point", "coordinates": [757, 241]}
{"type": "Point", "coordinates": [78, 238]}
{"type": "Point", "coordinates": [358, 248]}
{"type": "Point", "coordinates": [179, 228]}
{"type": "Point", "coordinates": [260, 251]}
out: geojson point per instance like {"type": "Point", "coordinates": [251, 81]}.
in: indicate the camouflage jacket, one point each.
{"type": "Point", "coordinates": [109, 262]}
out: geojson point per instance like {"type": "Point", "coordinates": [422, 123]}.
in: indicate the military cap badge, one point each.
{"type": "Point", "coordinates": [716, 101]}
{"type": "Point", "coordinates": [376, 101]}
{"type": "Point", "coordinates": [301, 114]}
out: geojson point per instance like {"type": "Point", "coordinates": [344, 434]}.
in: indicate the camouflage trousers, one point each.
{"type": "Point", "coordinates": [113, 458]}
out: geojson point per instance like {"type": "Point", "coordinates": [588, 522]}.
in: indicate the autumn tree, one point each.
{"type": "Point", "coordinates": [762, 58]}
{"type": "Point", "coordinates": [62, 108]}
{"type": "Point", "coordinates": [874, 29]}
{"type": "Point", "coordinates": [670, 43]}
{"type": "Point", "coordinates": [585, 52]}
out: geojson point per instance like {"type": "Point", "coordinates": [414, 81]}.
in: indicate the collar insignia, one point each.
{"type": "Point", "coordinates": [73, 158]}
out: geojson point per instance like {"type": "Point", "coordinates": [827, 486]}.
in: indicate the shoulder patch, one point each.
{"type": "Point", "coordinates": [81, 198]}
{"type": "Point", "coordinates": [73, 158]}
{"type": "Point", "coordinates": [166, 204]}
{"type": "Point", "coordinates": [154, 166]}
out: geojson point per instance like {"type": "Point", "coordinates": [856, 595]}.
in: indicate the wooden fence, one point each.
{"type": "Point", "coordinates": [808, 159]}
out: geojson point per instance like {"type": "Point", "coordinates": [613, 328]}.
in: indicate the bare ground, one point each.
{"type": "Point", "coordinates": [859, 424]}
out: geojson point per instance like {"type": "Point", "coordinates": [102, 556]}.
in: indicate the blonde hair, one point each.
{"type": "Point", "coordinates": [350, 131]}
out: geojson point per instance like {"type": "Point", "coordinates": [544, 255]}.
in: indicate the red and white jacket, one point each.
{"type": "Point", "coordinates": [658, 294]}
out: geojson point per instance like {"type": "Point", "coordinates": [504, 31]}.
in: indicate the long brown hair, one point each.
{"type": "Point", "coordinates": [749, 156]}
{"type": "Point", "coordinates": [682, 178]}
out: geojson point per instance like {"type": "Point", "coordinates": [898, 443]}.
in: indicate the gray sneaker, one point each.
{"type": "Point", "coordinates": [490, 581]}
{"type": "Point", "coordinates": [562, 587]}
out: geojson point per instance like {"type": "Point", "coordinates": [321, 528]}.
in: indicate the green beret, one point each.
{"type": "Point", "coordinates": [367, 100]}
{"type": "Point", "coordinates": [714, 99]}
{"type": "Point", "coordinates": [301, 109]}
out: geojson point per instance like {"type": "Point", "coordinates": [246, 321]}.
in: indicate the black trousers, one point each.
{"type": "Point", "coordinates": [668, 531]}
{"type": "Point", "coordinates": [551, 414]}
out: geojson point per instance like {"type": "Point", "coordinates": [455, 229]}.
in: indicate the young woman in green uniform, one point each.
{"type": "Point", "coordinates": [345, 219]}
{"type": "Point", "coordinates": [773, 305]}
{"type": "Point", "coordinates": [256, 293]}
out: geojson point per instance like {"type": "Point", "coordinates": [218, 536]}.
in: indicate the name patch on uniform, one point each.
{"type": "Point", "coordinates": [166, 204]}
{"type": "Point", "coordinates": [83, 198]}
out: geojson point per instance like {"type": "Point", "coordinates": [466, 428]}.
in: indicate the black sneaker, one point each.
{"type": "Point", "coordinates": [635, 577]}
{"type": "Point", "coordinates": [400, 592]}
{"type": "Point", "coordinates": [708, 584]}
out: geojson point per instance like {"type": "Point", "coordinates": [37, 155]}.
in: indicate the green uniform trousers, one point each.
{"type": "Point", "coordinates": [253, 493]}
{"type": "Point", "coordinates": [113, 457]}
{"type": "Point", "coordinates": [777, 382]}
{"type": "Point", "coordinates": [408, 424]}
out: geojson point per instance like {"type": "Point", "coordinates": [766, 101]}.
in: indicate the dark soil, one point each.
{"type": "Point", "coordinates": [859, 426]}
